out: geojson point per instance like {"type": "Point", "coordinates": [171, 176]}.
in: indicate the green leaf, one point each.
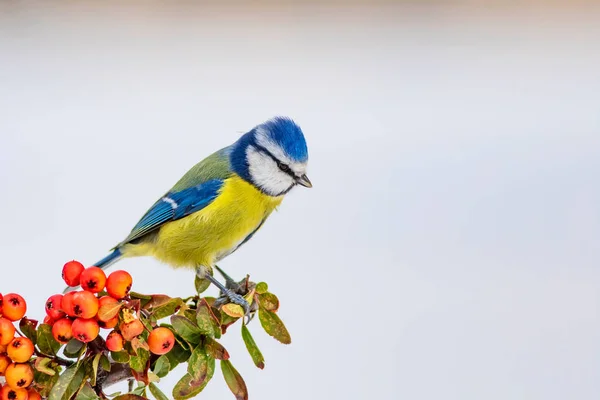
{"type": "Point", "coordinates": [43, 365]}
{"type": "Point", "coordinates": [27, 326]}
{"type": "Point", "coordinates": [178, 355]}
{"type": "Point", "coordinates": [138, 363]}
{"type": "Point", "coordinates": [156, 300]}
{"type": "Point", "coordinates": [201, 284]}
{"type": "Point", "coordinates": [207, 321]}
{"type": "Point", "coordinates": [162, 366]}
{"type": "Point", "coordinates": [186, 388]}
{"type": "Point", "coordinates": [87, 393]}
{"type": "Point", "coordinates": [274, 326]}
{"type": "Point", "coordinates": [215, 349]}
{"type": "Point", "coordinates": [201, 369]}
{"type": "Point", "coordinates": [45, 341]}
{"type": "Point", "coordinates": [186, 329]}
{"type": "Point", "coordinates": [233, 310]}
{"type": "Point", "coordinates": [73, 348]}
{"type": "Point", "coordinates": [166, 309]}
{"type": "Point", "coordinates": [253, 349]}
{"type": "Point", "coordinates": [140, 390]}
{"type": "Point", "coordinates": [268, 301]}
{"type": "Point", "coordinates": [43, 382]}
{"type": "Point", "coordinates": [129, 397]}
{"type": "Point", "coordinates": [68, 383]}
{"type": "Point", "coordinates": [157, 393]}
{"type": "Point", "coordinates": [234, 380]}
{"type": "Point", "coordinates": [109, 311]}
{"type": "Point", "coordinates": [135, 295]}
{"type": "Point", "coordinates": [198, 363]}
{"type": "Point", "coordinates": [105, 363]}
{"type": "Point", "coordinates": [261, 287]}
{"type": "Point", "coordinates": [121, 357]}
{"type": "Point", "coordinates": [95, 365]}
{"type": "Point", "coordinates": [189, 387]}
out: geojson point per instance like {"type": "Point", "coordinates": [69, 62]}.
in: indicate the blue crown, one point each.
{"type": "Point", "coordinates": [287, 134]}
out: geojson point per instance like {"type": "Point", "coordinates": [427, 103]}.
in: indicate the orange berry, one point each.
{"type": "Point", "coordinates": [4, 362]}
{"type": "Point", "coordinates": [114, 341]}
{"type": "Point", "coordinates": [118, 284]}
{"type": "Point", "coordinates": [93, 279]}
{"type": "Point", "coordinates": [131, 329]}
{"type": "Point", "coordinates": [62, 330]}
{"type": "Point", "coordinates": [13, 306]}
{"type": "Point", "coordinates": [111, 323]}
{"type": "Point", "coordinates": [71, 272]}
{"type": "Point", "coordinates": [33, 395]}
{"type": "Point", "coordinates": [7, 331]}
{"type": "Point", "coordinates": [66, 304]}
{"type": "Point", "coordinates": [85, 330]}
{"type": "Point", "coordinates": [3, 348]}
{"type": "Point", "coordinates": [161, 340]}
{"type": "Point", "coordinates": [18, 376]}
{"type": "Point", "coordinates": [8, 393]}
{"type": "Point", "coordinates": [20, 349]}
{"type": "Point", "coordinates": [53, 307]}
{"type": "Point", "coordinates": [85, 305]}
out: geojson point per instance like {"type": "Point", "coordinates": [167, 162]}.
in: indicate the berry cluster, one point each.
{"type": "Point", "coordinates": [81, 314]}
{"type": "Point", "coordinates": [15, 352]}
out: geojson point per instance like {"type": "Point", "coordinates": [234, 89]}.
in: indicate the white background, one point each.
{"type": "Point", "coordinates": [449, 248]}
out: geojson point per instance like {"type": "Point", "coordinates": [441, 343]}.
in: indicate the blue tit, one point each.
{"type": "Point", "coordinates": [221, 202]}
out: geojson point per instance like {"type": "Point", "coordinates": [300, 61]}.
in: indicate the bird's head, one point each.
{"type": "Point", "coordinates": [273, 156]}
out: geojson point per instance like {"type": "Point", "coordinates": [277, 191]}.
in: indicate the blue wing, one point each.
{"type": "Point", "coordinates": [175, 205]}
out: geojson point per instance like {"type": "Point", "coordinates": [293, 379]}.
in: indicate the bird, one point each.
{"type": "Point", "coordinates": [221, 202]}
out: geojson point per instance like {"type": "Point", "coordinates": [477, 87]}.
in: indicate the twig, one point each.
{"type": "Point", "coordinates": [56, 359]}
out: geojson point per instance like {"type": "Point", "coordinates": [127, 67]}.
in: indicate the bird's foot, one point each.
{"type": "Point", "coordinates": [233, 292]}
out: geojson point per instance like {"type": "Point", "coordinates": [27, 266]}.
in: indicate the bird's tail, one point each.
{"type": "Point", "coordinates": [109, 259]}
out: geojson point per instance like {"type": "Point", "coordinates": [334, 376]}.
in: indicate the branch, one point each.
{"type": "Point", "coordinates": [118, 373]}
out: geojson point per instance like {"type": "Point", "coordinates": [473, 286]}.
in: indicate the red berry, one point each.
{"type": "Point", "coordinates": [62, 330]}
{"type": "Point", "coordinates": [8, 393]}
{"type": "Point", "coordinates": [53, 307]}
{"type": "Point", "coordinates": [66, 304]}
{"type": "Point", "coordinates": [71, 272]}
{"type": "Point", "coordinates": [114, 341]}
{"type": "Point", "coordinates": [111, 323]}
{"type": "Point", "coordinates": [20, 349]}
{"type": "Point", "coordinates": [13, 306]}
{"type": "Point", "coordinates": [85, 330]}
{"type": "Point", "coordinates": [33, 395]}
{"type": "Point", "coordinates": [18, 376]}
{"type": "Point", "coordinates": [85, 305]}
{"type": "Point", "coordinates": [93, 279]}
{"type": "Point", "coordinates": [118, 284]}
{"type": "Point", "coordinates": [7, 331]}
{"type": "Point", "coordinates": [4, 362]}
{"type": "Point", "coordinates": [161, 340]}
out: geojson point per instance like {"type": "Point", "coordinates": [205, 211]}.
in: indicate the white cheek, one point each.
{"type": "Point", "coordinates": [266, 174]}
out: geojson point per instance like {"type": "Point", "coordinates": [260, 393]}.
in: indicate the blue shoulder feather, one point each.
{"type": "Point", "coordinates": [175, 205]}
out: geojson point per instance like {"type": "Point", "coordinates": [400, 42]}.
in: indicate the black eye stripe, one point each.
{"type": "Point", "coordinates": [283, 167]}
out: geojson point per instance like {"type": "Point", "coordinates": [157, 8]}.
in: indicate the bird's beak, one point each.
{"type": "Point", "coordinates": [304, 181]}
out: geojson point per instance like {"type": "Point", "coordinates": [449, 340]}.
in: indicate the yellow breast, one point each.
{"type": "Point", "coordinates": [206, 236]}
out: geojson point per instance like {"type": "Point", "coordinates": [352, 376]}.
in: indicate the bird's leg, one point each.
{"type": "Point", "coordinates": [229, 282]}
{"type": "Point", "coordinates": [229, 293]}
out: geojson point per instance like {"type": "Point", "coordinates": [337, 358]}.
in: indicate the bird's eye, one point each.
{"type": "Point", "coordinates": [283, 167]}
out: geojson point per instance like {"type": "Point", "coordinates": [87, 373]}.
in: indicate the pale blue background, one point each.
{"type": "Point", "coordinates": [450, 246]}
